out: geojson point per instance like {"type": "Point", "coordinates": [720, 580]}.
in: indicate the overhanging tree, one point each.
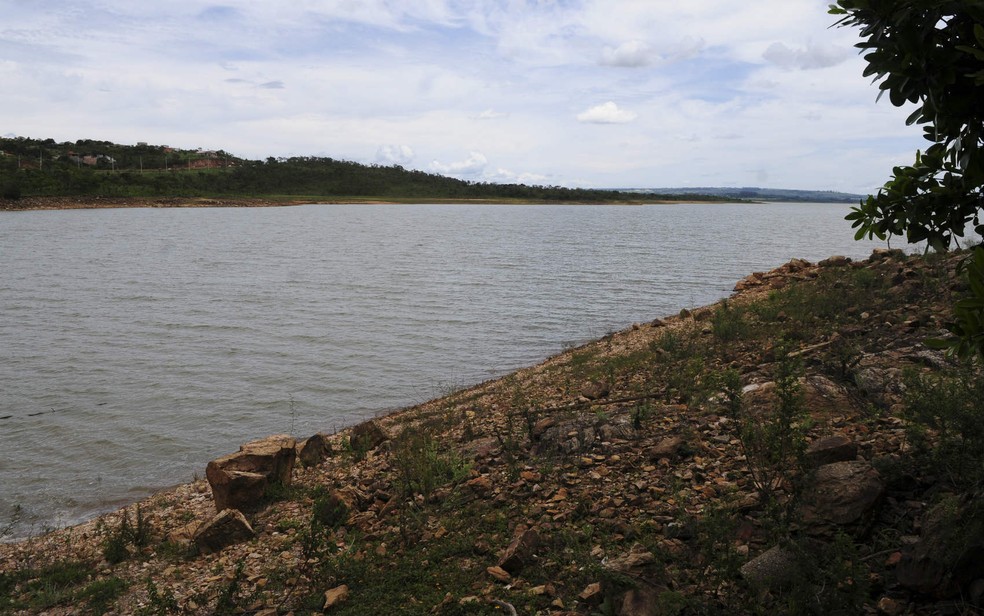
{"type": "Point", "coordinates": [930, 53]}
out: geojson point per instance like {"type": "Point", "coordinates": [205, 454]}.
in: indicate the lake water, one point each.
{"type": "Point", "coordinates": [137, 344]}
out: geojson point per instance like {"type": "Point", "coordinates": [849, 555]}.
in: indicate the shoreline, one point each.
{"type": "Point", "coordinates": [26, 204]}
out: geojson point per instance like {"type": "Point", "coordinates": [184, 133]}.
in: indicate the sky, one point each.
{"type": "Point", "coordinates": [579, 93]}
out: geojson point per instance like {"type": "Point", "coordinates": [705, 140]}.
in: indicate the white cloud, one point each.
{"type": "Point", "coordinates": [606, 113]}
{"type": "Point", "coordinates": [490, 114]}
{"type": "Point", "coordinates": [813, 56]}
{"type": "Point", "coordinates": [394, 155]}
{"type": "Point", "coordinates": [631, 54]}
{"type": "Point", "coordinates": [472, 166]}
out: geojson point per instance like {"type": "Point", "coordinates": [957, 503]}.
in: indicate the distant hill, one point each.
{"type": "Point", "coordinates": [46, 168]}
{"type": "Point", "coordinates": [760, 194]}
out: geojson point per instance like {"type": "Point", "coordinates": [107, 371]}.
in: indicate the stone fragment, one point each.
{"type": "Point", "coordinates": [313, 450]}
{"type": "Point", "coordinates": [594, 390]}
{"type": "Point", "coordinates": [669, 447]}
{"type": "Point", "coordinates": [591, 593]}
{"type": "Point", "coordinates": [775, 568]}
{"type": "Point", "coordinates": [226, 528]}
{"type": "Point", "coordinates": [480, 485]}
{"type": "Point", "coordinates": [882, 254]}
{"type": "Point", "coordinates": [835, 448]}
{"type": "Point", "coordinates": [335, 596]}
{"type": "Point", "coordinates": [636, 558]}
{"type": "Point", "coordinates": [368, 435]}
{"type": "Point", "coordinates": [499, 574]}
{"type": "Point", "coordinates": [542, 426]}
{"type": "Point", "coordinates": [183, 535]}
{"type": "Point", "coordinates": [240, 480]}
{"type": "Point", "coordinates": [889, 607]}
{"type": "Point", "coordinates": [521, 552]}
{"type": "Point", "coordinates": [842, 493]}
{"type": "Point", "coordinates": [835, 261]}
{"type": "Point", "coordinates": [642, 601]}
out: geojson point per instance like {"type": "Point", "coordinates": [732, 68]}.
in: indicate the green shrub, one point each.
{"type": "Point", "coordinates": [773, 442]}
{"type": "Point", "coordinates": [101, 594]}
{"type": "Point", "coordinates": [329, 511]}
{"type": "Point", "coordinates": [40, 589]}
{"type": "Point", "coordinates": [945, 412]}
{"type": "Point", "coordinates": [728, 323]}
{"type": "Point", "coordinates": [115, 548]}
{"type": "Point", "coordinates": [423, 463]}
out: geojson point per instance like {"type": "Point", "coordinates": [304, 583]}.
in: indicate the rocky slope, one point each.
{"type": "Point", "coordinates": [779, 451]}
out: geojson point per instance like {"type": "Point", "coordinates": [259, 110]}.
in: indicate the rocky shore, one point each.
{"type": "Point", "coordinates": [774, 452]}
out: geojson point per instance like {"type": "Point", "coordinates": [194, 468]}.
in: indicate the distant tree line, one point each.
{"type": "Point", "coordinates": [33, 167]}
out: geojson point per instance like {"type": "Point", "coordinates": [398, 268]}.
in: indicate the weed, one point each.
{"type": "Point", "coordinates": [159, 603]}
{"type": "Point", "coordinates": [40, 589]}
{"type": "Point", "coordinates": [773, 442]}
{"type": "Point", "coordinates": [229, 602]}
{"type": "Point", "coordinates": [944, 413]}
{"type": "Point", "coordinates": [101, 594]}
{"type": "Point", "coordinates": [728, 323]}
{"type": "Point", "coordinates": [687, 383]}
{"type": "Point", "coordinates": [423, 464]}
{"type": "Point", "coordinates": [329, 511]}
{"type": "Point", "coordinates": [640, 414]}
{"type": "Point", "coordinates": [137, 534]}
{"type": "Point", "coordinates": [832, 579]}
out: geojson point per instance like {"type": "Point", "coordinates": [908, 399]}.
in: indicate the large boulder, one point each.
{"type": "Point", "coordinates": [521, 552]}
{"type": "Point", "coordinates": [241, 480]}
{"type": "Point", "coordinates": [830, 449]}
{"type": "Point", "coordinates": [368, 435]}
{"type": "Point", "coordinates": [842, 493]}
{"type": "Point", "coordinates": [226, 528]}
{"type": "Point", "coordinates": [949, 556]}
{"type": "Point", "coordinates": [314, 449]}
{"type": "Point", "coordinates": [775, 568]}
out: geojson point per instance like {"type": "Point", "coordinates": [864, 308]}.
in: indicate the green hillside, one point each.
{"type": "Point", "coordinates": [45, 168]}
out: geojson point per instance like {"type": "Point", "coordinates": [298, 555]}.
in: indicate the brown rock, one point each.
{"type": "Point", "coordinates": [499, 574]}
{"type": "Point", "coordinates": [226, 528]}
{"type": "Point", "coordinates": [594, 390]}
{"type": "Point", "coordinates": [183, 535]}
{"type": "Point", "coordinates": [669, 447]}
{"type": "Point", "coordinates": [240, 480]}
{"type": "Point", "coordinates": [777, 567]}
{"type": "Point", "coordinates": [368, 435]}
{"type": "Point", "coordinates": [636, 558]}
{"type": "Point", "coordinates": [521, 552]}
{"type": "Point", "coordinates": [481, 484]}
{"type": "Point", "coordinates": [542, 426]}
{"type": "Point", "coordinates": [642, 601]}
{"type": "Point", "coordinates": [313, 450]}
{"type": "Point", "coordinates": [889, 607]}
{"type": "Point", "coordinates": [836, 448]}
{"type": "Point", "coordinates": [591, 593]}
{"type": "Point", "coordinates": [335, 596]}
{"type": "Point", "coordinates": [842, 493]}
{"type": "Point", "coordinates": [835, 261]}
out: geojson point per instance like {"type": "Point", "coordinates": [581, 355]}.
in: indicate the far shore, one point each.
{"type": "Point", "coordinates": [97, 202]}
